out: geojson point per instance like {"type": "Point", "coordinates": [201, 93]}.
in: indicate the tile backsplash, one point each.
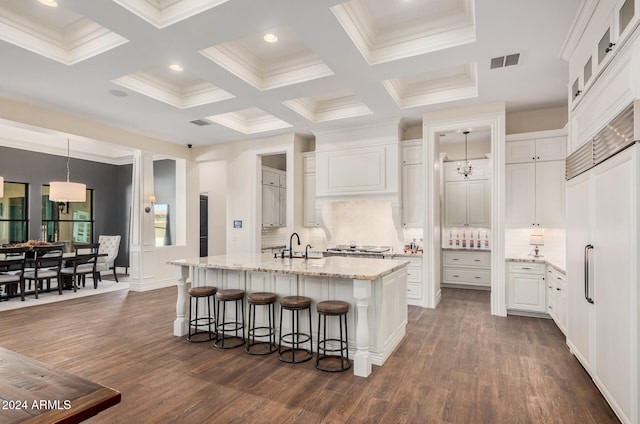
{"type": "Point", "coordinates": [367, 222]}
{"type": "Point", "coordinates": [517, 245]}
{"type": "Point", "coordinates": [274, 236]}
{"type": "Point", "coordinates": [467, 238]}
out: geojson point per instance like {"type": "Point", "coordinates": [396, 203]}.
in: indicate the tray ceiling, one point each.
{"type": "Point", "coordinates": [336, 64]}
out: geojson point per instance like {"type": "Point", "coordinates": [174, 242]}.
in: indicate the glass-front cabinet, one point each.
{"type": "Point", "coordinates": [622, 22]}
{"type": "Point", "coordinates": [70, 222]}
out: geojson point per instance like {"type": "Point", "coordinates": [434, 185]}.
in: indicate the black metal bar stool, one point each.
{"type": "Point", "coordinates": [333, 363]}
{"type": "Point", "coordinates": [261, 347]}
{"type": "Point", "coordinates": [295, 338]}
{"type": "Point", "coordinates": [227, 327]}
{"type": "Point", "coordinates": [196, 321]}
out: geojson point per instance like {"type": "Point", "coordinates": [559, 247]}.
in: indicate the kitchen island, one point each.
{"type": "Point", "coordinates": [376, 289]}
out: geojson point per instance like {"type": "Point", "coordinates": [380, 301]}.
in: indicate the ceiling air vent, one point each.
{"type": "Point", "coordinates": [200, 122]}
{"type": "Point", "coordinates": [503, 61]}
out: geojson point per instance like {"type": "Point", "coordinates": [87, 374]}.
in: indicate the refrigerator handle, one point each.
{"type": "Point", "coordinates": [587, 296]}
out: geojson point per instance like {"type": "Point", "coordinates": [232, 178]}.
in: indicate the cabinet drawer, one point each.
{"type": "Point", "coordinates": [414, 290]}
{"type": "Point", "coordinates": [471, 259]}
{"type": "Point", "coordinates": [467, 276]}
{"type": "Point", "coordinates": [414, 273]}
{"type": "Point", "coordinates": [526, 268]}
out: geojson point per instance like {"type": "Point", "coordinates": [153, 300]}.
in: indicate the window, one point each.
{"type": "Point", "coordinates": [164, 177]}
{"type": "Point", "coordinates": [14, 207]}
{"type": "Point", "coordinates": [67, 222]}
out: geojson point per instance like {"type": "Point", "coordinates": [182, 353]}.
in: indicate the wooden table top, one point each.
{"type": "Point", "coordinates": [33, 392]}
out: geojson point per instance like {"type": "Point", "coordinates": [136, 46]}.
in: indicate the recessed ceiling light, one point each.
{"type": "Point", "coordinates": [50, 3]}
{"type": "Point", "coordinates": [270, 38]}
{"type": "Point", "coordinates": [176, 67]}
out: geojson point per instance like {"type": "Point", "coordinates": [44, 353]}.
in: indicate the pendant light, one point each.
{"type": "Point", "coordinates": [465, 169]}
{"type": "Point", "coordinates": [66, 191]}
{"type": "Point", "coordinates": [1, 187]}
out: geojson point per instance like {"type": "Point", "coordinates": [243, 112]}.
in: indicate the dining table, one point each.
{"type": "Point", "coordinates": [34, 392]}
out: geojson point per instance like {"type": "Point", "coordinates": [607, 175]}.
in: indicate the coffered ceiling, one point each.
{"type": "Point", "coordinates": [335, 63]}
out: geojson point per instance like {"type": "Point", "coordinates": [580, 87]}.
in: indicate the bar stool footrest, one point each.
{"type": "Point", "coordinates": [340, 363]}
{"type": "Point", "coordinates": [287, 355]}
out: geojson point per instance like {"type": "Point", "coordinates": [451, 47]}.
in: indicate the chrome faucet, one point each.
{"type": "Point", "coordinates": [291, 242]}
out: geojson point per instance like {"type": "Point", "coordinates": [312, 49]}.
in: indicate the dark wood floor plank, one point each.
{"type": "Point", "coordinates": [458, 364]}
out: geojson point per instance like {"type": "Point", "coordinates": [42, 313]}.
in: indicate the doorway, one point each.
{"type": "Point", "coordinates": [273, 181]}
{"type": "Point", "coordinates": [465, 216]}
{"type": "Point", "coordinates": [204, 225]}
{"type": "Point", "coordinates": [491, 116]}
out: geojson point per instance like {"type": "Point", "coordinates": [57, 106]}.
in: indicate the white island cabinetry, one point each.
{"type": "Point", "coordinates": [376, 290]}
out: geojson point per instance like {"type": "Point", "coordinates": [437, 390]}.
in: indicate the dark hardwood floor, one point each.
{"type": "Point", "coordinates": [458, 364]}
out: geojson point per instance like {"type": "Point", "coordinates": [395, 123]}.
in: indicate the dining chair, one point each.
{"type": "Point", "coordinates": [109, 246]}
{"type": "Point", "coordinates": [12, 263]}
{"type": "Point", "coordinates": [45, 266]}
{"type": "Point", "coordinates": [81, 264]}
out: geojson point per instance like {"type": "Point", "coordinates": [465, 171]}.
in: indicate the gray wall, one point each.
{"type": "Point", "coordinates": [111, 186]}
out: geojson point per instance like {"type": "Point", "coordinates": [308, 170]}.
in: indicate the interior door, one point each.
{"type": "Point", "coordinates": [204, 225]}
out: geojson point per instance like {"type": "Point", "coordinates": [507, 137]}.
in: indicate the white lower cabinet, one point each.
{"type": "Point", "coordinates": [466, 267]}
{"type": "Point", "coordinates": [526, 290]}
{"type": "Point", "coordinates": [557, 297]}
{"type": "Point", "coordinates": [414, 278]}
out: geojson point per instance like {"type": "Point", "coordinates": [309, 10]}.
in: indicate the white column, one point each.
{"type": "Point", "coordinates": [142, 232]}
{"type": "Point", "coordinates": [180, 325]}
{"type": "Point", "coordinates": [362, 358]}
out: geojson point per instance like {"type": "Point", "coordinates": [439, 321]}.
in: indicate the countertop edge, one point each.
{"type": "Point", "coordinates": [312, 273]}
{"type": "Point", "coordinates": [537, 261]}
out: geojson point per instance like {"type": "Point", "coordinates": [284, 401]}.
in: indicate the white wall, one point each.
{"type": "Point", "coordinates": [213, 183]}
{"type": "Point", "coordinates": [243, 193]}
{"type": "Point", "coordinates": [537, 120]}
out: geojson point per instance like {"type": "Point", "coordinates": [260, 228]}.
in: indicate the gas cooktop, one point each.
{"type": "Point", "coordinates": [359, 249]}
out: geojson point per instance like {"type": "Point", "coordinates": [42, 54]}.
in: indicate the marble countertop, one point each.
{"type": "Point", "coordinates": [465, 249]}
{"type": "Point", "coordinates": [552, 263]}
{"type": "Point", "coordinates": [334, 266]}
{"type": "Point", "coordinates": [403, 255]}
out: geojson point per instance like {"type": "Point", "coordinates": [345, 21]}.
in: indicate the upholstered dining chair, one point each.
{"type": "Point", "coordinates": [45, 266]}
{"type": "Point", "coordinates": [109, 245]}
{"type": "Point", "coordinates": [12, 263]}
{"type": "Point", "coordinates": [83, 263]}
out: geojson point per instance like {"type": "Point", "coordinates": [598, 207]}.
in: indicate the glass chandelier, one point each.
{"type": "Point", "coordinates": [465, 168]}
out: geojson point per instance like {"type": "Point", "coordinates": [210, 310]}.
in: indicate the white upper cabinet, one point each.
{"type": "Point", "coordinates": [535, 194]}
{"type": "Point", "coordinates": [412, 184]}
{"type": "Point", "coordinates": [535, 180]}
{"type": "Point", "coordinates": [412, 152]}
{"type": "Point", "coordinates": [309, 189]}
{"type": "Point", "coordinates": [467, 202]}
{"type": "Point", "coordinates": [537, 149]}
{"type": "Point", "coordinates": [274, 198]}
{"type": "Point", "coordinates": [609, 27]}
{"type": "Point", "coordinates": [603, 51]}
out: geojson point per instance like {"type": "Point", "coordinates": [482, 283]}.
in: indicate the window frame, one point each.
{"type": "Point", "coordinates": [25, 217]}
{"type": "Point", "coordinates": [56, 223]}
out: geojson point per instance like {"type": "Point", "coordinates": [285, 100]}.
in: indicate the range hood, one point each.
{"type": "Point", "coordinates": [616, 136]}
{"type": "Point", "coordinates": [356, 165]}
